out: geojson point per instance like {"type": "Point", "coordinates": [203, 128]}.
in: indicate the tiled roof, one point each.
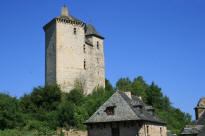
{"type": "Point", "coordinates": [125, 110]}
{"type": "Point", "coordinates": [197, 128]}
{"type": "Point", "coordinates": [69, 17]}
{"type": "Point", "coordinates": [201, 120]}
{"type": "Point", "coordinates": [202, 133]}
{"type": "Point", "coordinates": [90, 30]}
{"type": "Point", "coordinates": [192, 129]}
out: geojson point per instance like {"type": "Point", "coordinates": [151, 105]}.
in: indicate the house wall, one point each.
{"type": "Point", "coordinates": [128, 129]}
{"type": "Point", "coordinates": [153, 130]}
{"type": "Point", "coordinates": [99, 131]}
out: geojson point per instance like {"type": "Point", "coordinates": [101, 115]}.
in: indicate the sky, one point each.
{"type": "Point", "coordinates": [161, 40]}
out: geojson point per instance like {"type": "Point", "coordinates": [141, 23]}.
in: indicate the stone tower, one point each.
{"type": "Point", "coordinates": [200, 108]}
{"type": "Point", "coordinates": [74, 54]}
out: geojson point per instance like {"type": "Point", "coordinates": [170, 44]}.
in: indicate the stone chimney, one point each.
{"type": "Point", "coordinates": [200, 108]}
{"type": "Point", "coordinates": [140, 97]}
{"type": "Point", "coordinates": [128, 93]}
{"type": "Point", "coordinates": [64, 11]}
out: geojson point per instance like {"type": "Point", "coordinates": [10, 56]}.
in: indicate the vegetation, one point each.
{"type": "Point", "coordinates": [46, 108]}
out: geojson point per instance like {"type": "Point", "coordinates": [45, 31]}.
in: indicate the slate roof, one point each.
{"type": "Point", "coordinates": [202, 133]}
{"type": "Point", "coordinates": [201, 120]}
{"type": "Point", "coordinates": [192, 129]}
{"type": "Point", "coordinates": [197, 128]}
{"type": "Point", "coordinates": [125, 110]}
{"type": "Point", "coordinates": [69, 17]}
{"type": "Point", "coordinates": [63, 17]}
{"type": "Point", "coordinates": [169, 133]}
{"type": "Point", "coordinates": [91, 31]}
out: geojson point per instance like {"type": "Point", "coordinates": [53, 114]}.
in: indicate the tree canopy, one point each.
{"type": "Point", "coordinates": [49, 107]}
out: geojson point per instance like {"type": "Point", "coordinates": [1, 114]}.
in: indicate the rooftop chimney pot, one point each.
{"type": "Point", "coordinates": [128, 93]}
{"type": "Point", "coordinates": [64, 11]}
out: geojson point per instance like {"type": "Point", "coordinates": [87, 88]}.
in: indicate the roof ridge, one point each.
{"type": "Point", "coordinates": [128, 103]}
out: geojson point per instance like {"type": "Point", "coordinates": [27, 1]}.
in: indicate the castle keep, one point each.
{"type": "Point", "coordinates": [74, 54]}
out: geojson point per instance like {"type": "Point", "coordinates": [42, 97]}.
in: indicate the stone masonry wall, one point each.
{"type": "Point", "coordinates": [50, 48]}
{"type": "Point", "coordinates": [69, 55]}
{"type": "Point", "coordinates": [95, 70]}
{"type": "Point", "coordinates": [152, 129]}
{"type": "Point", "coordinates": [66, 54]}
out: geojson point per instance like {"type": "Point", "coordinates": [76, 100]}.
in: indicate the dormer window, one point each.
{"type": "Point", "coordinates": [74, 30]}
{"type": "Point", "coordinates": [151, 111]}
{"type": "Point", "coordinates": [110, 110]}
{"type": "Point", "coordinates": [138, 107]}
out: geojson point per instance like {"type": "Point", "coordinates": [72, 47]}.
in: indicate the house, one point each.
{"type": "Point", "coordinates": [198, 127]}
{"type": "Point", "coordinates": [125, 115]}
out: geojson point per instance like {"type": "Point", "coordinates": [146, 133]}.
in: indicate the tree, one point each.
{"type": "Point", "coordinates": [76, 97]}
{"type": "Point", "coordinates": [10, 113]}
{"type": "Point", "coordinates": [44, 98]}
{"type": "Point", "coordinates": [66, 114]}
{"type": "Point", "coordinates": [124, 84]}
{"type": "Point", "coordinates": [108, 86]}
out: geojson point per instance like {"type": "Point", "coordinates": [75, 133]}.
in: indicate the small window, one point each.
{"type": "Point", "coordinates": [110, 110]}
{"type": "Point", "coordinates": [160, 130]}
{"type": "Point", "coordinates": [74, 30]}
{"type": "Point", "coordinates": [84, 48]}
{"type": "Point", "coordinates": [147, 130]}
{"type": "Point", "coordinates": [84, 64]}
{"type": "Point", "coordinates": [97, 45]}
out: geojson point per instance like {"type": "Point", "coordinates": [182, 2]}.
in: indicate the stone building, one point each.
{"type": "Point", "coordinates": [74, 53]}
{"type": "Point", "coordinates": [125, 115]}
{"type": "Point", "coordinates": [198, 127]}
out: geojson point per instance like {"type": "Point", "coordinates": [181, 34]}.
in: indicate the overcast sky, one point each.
{"type": "Point", "coordinates": [161, 40]}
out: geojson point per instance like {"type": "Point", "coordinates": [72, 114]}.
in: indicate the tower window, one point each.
{"type": "Point", "coordinates": [84, 48]}
{"type": "Point", "coordinates": [74, 30]}
{"type": "Point", "coordinates": [160, 130]}
{"type": "Point", "coordinates": [147, 130]}
{"type": "Point", "coordinates": [97, 45]}
{"type": "Point", "coordinates": [84, 64]}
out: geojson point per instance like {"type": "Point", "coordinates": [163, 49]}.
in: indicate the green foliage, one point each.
{"type": "Point", "coordinates": [46, 108]}
{"type": "Point", "coordinates": [10, 114]}
{"type": "Point", "coordinates": [76, 97]}
{"type": "Point", "coordinates": [11, 132]}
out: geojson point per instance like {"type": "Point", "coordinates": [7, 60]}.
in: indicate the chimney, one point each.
{"type": "Point", "coordinates": [128, 93]}
{"type": "Point", "coordinates": [200, 108]}
{"type": "Point", "coordinates": [64, 11]}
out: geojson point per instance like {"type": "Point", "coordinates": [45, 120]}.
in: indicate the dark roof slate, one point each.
{"type": "Point", "coordinates": [197, 128]}
{"type": "Point", "coordinates": [192, 129]}
{"type": "Point", "coordinates": [124, 110]}
{"type": "Point", "coordinates": [202, 132]}
{"type": "Point", "coordinates": [63, 17]}
{"type": "Point", "coordinates": [69, 17]}
{"type": "Point", "coordinates": [91, 31]}
{"type": "Point", "coordinates": [201, 120]}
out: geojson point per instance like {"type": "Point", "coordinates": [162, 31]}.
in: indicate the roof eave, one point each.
{"type": "Point", "coordinates": [96, 36]}
{"type": "Point", "coordinates": [48, 24]}
{"type": "Point", "coordinates": [163, 123]}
